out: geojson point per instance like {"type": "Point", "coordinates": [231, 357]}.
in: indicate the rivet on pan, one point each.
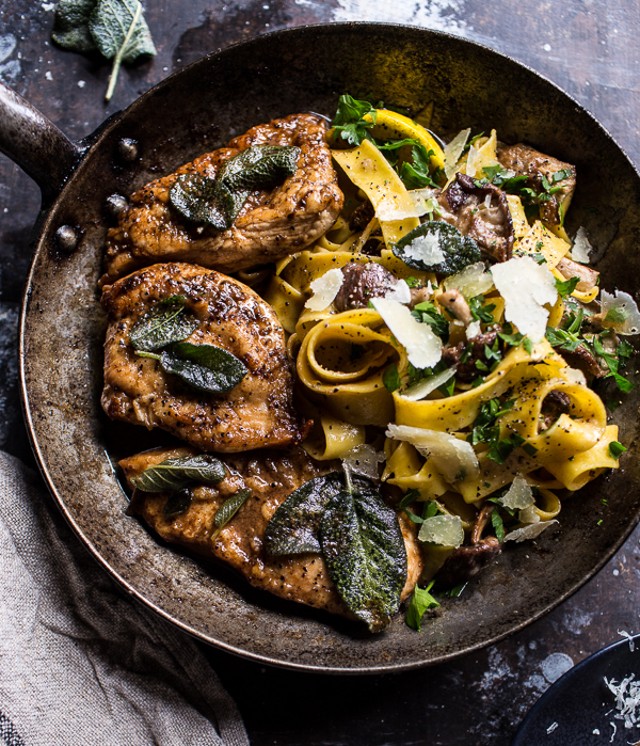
{"type": "Point", "coordinates": [66, 238]}
{"type": "Point", "coordinates": [128, 149]}
{"type": "Point", "coordinates": [115, 205]}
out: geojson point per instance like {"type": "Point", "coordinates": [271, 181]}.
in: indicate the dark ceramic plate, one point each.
{"type": "Point", "coordinates": [579, 709]}
{"type": "Point", "coordinates": [63, 327]}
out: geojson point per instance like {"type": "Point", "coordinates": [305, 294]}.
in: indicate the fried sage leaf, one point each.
{"type": "Point", "coordinates": [174, 474]}
{"type": "Point", "coordinates": [71, 25]}
{"type": "Point", "coordinates": [295, 526]}
{"type": "Point", "coordinates": [435, 246]}
{"type": "Point", "coordinates": [206, 368]}
{"type": "Point", "coordinates": [218, 202]}
{"type": "Point", "coordinates": [364, 551]}
{"type": "Point", "coordinates": [198, 199]}
{"type": "Point", "coordinates": [177, 503]}
{"type": "Point", "coordinates": [228, 509]}
{"type": "Point", "coordinates": [167, 322]}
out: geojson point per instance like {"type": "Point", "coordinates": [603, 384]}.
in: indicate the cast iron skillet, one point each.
{"type": "Point", "coordinates": [200, 108]}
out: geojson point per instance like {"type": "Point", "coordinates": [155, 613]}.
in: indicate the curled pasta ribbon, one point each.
{"type": "Point", "coordinates": [332, 438]}
{"type": "Point", "coordinates": [574, 473]}
{"type": "Point", "coordinates": [408, 470]}
{"type": "Point", "coordinates": [287, 301]}
{"type": "Point", "coordinates": [341, 359]}
{"type": "Point", "coordinates": [569, 434]}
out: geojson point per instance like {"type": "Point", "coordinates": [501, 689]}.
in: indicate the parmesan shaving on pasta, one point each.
{"type": "Point", "coordinates": [426, 386]}
{"type": "Point", "coordinates": [325, 289]}
{"type": "Point", "coordinates": [525, 287]}
{"type": "Point", "coordinates": [424, 348]}
{"type": "Point", "coordinates": [529, 532]}
{"type": "Point", "coordinates": [471, 281]}
{"type": "Point", "coordinates": [418, 202]}
{"type": "Point", "coordinates": [425, 249]}
{"type": "Point", "coordinates": [453, 151]}
{"type": "Point", "coordinates": [401, 292]}
{"type": "Point", "coordinates": [445, 530]}
{"type": "Point", "coordinates": [455, 459]}
{"type": "Point", "coordinates": [518, 496]}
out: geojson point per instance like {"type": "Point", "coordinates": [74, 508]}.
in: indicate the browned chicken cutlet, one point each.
{"type": "Point", "coordinates": [272, 223]}
{"type": "Point", "coordinates": [271, 477]}
{"type": "Point", "coordinates": [256, 413]}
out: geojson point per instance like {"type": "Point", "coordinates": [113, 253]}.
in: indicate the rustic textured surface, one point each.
{"type": "Point", "coordinates": [589, 49]}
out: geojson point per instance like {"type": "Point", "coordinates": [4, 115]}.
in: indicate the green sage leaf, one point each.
{"type": "Point", "coordinates": [174, 474]}
{"type": "Point", "coordinates": [197, 199]}
{"type": "Point", "coordinates": [206, 368]}
{"type": "Point", "coordinates": [177, 503]}
{"type": "Point", "coordinates": [228, 509]}
{"type": "Point", "coordinates": [295, 526]}
{"type": "Point", "coordinates": [120, 30]}
{"type": "Point", "coordinates": [167, 322]}
{"type": "Point", "coordinates": [436, 246]}
{"type": "Point", "coordinates": [71, 25]}
{"type": "Point", "coordinates": [364, 551]}
{"type": "Point", "coordinates": [258, 167]}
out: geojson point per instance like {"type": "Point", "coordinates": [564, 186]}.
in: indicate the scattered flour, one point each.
{"type": "Point", "coordinates": [554, 665]}
{"type": "Point", "coordinates": [441, 15]}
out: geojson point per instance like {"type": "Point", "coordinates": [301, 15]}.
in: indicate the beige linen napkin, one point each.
{"type": "Point", "coordinates": [80, 663]}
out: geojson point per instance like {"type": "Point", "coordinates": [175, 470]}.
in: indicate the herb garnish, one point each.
{"type": "Point", "coordinates": [160, 336]}
{"type": "Point", "coordinates": [218, 202]}
{"type": "Point", "coordinates": [358, 535]}
{"type": "Point", "coordinates": [349, 123]}
{"type": "Point", "coordinates": [486, 430]}
{"type": "Point", "coordinates": [115, 28]}
{"type": "Point", "coordinates": [174, 474]}
{"type": "Point", "coordinates": [616, 449]}
{"type": "Point", "coordinates": [420, 602]}
{"type": "Point", "coordinates": [228, 509]}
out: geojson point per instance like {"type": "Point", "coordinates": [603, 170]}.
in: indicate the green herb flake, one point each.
{"type": "Point", "coordinates": [203, 367]}
{"type": "Point", "coordinates": [420, 602]}
{"type": "Point", "coordinates": [566, 287]}
{"type": "Point", "coordinates": [348, 122]}
{"type": "Point", "coordinates": [391, 378]}
{"type": "Point", "coordinates": [616, 449]}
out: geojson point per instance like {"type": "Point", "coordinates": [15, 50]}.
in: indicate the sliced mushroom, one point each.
{"type": "Point", "coordinates": [361, 283]}
{"type": "Point", "coordinates": [480, 212]}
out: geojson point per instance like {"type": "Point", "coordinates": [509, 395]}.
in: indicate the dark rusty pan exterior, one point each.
{"type": "Point", "coordinates": [200, 108]}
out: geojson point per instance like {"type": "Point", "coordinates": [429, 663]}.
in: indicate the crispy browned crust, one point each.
{"type": "Point", "coordinates": [272, 224]}
{"type": "Point", "coordinates": [257, 413]}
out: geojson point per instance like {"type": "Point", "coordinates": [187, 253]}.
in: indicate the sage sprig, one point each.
{"type": "Point", "coordinates": [228, 509]}
{"type": "Point", "coordinates": [115, 28]}
{"type": "Point", "coordinates": [168, 321]}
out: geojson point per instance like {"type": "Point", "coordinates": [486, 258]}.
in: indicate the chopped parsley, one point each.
{"type": "Point", "coordinates": [616, 449]}
{"type": "Point", "coordinates": [349, 123]}
{"type": "Point", "coordinates": [420, 602]}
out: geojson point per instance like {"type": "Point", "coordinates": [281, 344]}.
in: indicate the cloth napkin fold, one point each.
{"type": "Point", "coordinates": [80, 663]}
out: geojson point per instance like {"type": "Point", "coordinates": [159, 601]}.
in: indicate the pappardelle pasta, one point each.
{"type": "Point", "coordinates": [446, 332]}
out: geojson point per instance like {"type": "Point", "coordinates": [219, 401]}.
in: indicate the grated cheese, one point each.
{"type": "Point", "coordinates": [525, 287]}
{"type": "Point", "coordinates": [627, 701]}
{"type": "Point", "coordinates": [423, 346]}
{"type": "Point", "coordinates": [426, 386]}
{"type": "Point", "coordinates": [400, 292]}
{"type": "Point", "coordinates": [325, 289]}
{"type": "Point", "coordinates": [529, 532]}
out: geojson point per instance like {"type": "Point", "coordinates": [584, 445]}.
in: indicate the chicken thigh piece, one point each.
{"type": "Point", "coordinates": [274, 222]}
{"type": "Point", "coordinates": [270, 477]}
{"type": "Point", "coordinates": [257, 412]}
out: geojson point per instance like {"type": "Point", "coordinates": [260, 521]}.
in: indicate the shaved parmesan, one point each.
{"type": "Point", "coordinates": [471, 281]}
{"type": "Point", "coordinates": [363, 459]}
{"type": "Point", "coordinates": [445, 530]}
{"type": "Point", "coordinates": [525, 287]}
{"type": "Point", "coordinates": [529, 532]}
{"type": "Point", "coordinates": [455, 459]}
{"type": "Point", "coordinates": [423, 346]}
{"type": "Point", "coordinates": [417, 202]}
{"type": "Point", "coordinates": [581, 249]}
{"type": "Point", "coordinates": [325, 289]}
{"type": "Point", "coordinates": [425, 249]}
{"type": "Point", "coordinates": [473, 330]}
{"type": "Point", "coordinates": [627, 700]}
{"type": "Point", "coordinates": [620, 312]}
{"type": "Point", "coordinates": [426, 386]}
{"type": "Point", "coordinates": [518, 496]}
{"type": "Point", "coordinates": [453, 151]}
{"type": "Point", "coordinates": [529, 515]}
{"type": "Point", "coordinates": [400, 292]}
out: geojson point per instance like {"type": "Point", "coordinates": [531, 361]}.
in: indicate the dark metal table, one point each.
{"type": "Point", "coordinates": [588, 47]}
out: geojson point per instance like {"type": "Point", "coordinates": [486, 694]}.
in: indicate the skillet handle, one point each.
{"type": "Point", "coordinates": [35, 143]}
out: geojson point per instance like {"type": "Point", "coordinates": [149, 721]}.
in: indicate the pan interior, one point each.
{"type": "Point", "coordinates": [199, 109]}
